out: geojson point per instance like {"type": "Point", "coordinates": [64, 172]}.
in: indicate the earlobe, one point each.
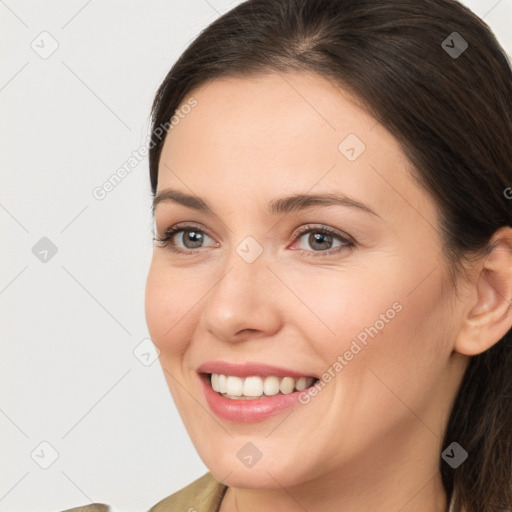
{"type": "Point", "coordinates": [490, 318]}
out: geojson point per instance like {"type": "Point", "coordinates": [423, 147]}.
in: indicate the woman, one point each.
{"type": "Point", "coordinates": [331, 283]}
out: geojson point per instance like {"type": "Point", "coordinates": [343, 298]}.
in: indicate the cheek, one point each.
{"type": "Point", "coordinates": [406, 355]}
{"type": "Point", "coordinates": [169, 306]}
{"type": "Point", "coordinates": [338, 306]}
{"type": "Point", "coordinates": [156, 306]}
{"type": "Point", "coordinates": [378, 318]}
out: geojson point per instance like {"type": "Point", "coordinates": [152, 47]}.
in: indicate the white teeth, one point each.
{"type": "Point", "coordinates": [234, 386]}
{"type": "Point", "coordinates": [287, 385]}
{"type": "Point", "coordinates": [256, 387]}
{"type": "Point", "coordinates": [222, 383]}
{"type": "Point", "coordinates": [301, 384]}
{"type": "Point", "coordinates": [271, 386]}
{"type": "Point", "coordinates": [215, 381]}
{"type": "Point", "coordinates": [253, 386]}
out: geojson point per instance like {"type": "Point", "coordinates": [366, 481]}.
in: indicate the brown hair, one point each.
{"type": "Point", "coordinates": [451, 114]}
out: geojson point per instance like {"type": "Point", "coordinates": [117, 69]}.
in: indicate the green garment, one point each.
{"type": "Point", "coordinates": [205, 495]}
{"type": "Point", "coordinates": [202, 495]}
{"type": "Point", "coordinates": [92, 507]}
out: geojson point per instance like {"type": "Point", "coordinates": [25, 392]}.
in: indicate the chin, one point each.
{"type": "Point", "coordinates": [262, 475]}
{"type": "Point", "coordinates": [250, 478]}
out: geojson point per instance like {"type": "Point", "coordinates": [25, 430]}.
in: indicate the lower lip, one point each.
{"type": "Point", "coordinates": [246, 411]}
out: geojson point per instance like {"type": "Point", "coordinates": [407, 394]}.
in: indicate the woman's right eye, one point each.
{"type": "Point", "coordinates": [191, 238]}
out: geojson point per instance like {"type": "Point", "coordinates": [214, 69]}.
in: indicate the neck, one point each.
{"type": "Point", "coordinates": [408, 481]}
{"type": "Point", "coordinates": [430, 498]}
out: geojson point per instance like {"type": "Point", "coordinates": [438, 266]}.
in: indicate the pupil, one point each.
{"type": "Point", "coordinates": [192, 235]}
{"type": "Point", "coordinates": [318, 237]}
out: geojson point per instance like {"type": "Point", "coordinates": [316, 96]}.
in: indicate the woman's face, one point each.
{"type": "Point", "coordinates": [364, 308]}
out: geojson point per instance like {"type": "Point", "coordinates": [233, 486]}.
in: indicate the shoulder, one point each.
{"type": "Point", "coordinates": [202, 495]}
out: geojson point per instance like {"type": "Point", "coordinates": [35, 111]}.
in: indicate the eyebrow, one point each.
{"type": "Point", "coordinates": [292, 203]}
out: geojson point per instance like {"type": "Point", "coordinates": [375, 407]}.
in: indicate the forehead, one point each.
{"type": "Point", "coordinates": [293, 106]}
{"type": "Point", "coordinates": [281, 133]}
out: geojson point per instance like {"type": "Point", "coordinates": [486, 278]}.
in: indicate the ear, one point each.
{"type": "Point", "coordinates": [489, 317]}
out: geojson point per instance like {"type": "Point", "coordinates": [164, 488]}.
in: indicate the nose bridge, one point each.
{"type": "Point", "coordinates": [244, 275]}
{"type": "Point", "coordinates": [242, 297]}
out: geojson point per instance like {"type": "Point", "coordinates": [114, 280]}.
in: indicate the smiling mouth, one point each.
{"type": "Point", "coordinates": [256, 387]}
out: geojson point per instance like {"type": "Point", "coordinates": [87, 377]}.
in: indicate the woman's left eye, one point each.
{"type": "Point", "coordinates": [320, 239]}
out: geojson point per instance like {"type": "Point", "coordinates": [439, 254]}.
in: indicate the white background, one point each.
{"type": "Point", "coordinates": [69, 376]}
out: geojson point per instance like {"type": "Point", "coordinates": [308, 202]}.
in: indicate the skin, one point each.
{"type": "Point", "coordinates": [372, 438]}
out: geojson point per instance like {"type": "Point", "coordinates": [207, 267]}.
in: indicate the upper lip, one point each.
{"type": "Point", "coordinates": [249, 369]}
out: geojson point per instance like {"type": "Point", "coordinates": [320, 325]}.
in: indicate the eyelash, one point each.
{"type": "Point", "coordinates": [347, 243]}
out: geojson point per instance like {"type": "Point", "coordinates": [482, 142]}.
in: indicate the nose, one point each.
{"type": "Point", "coordinates": [243, 301]}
